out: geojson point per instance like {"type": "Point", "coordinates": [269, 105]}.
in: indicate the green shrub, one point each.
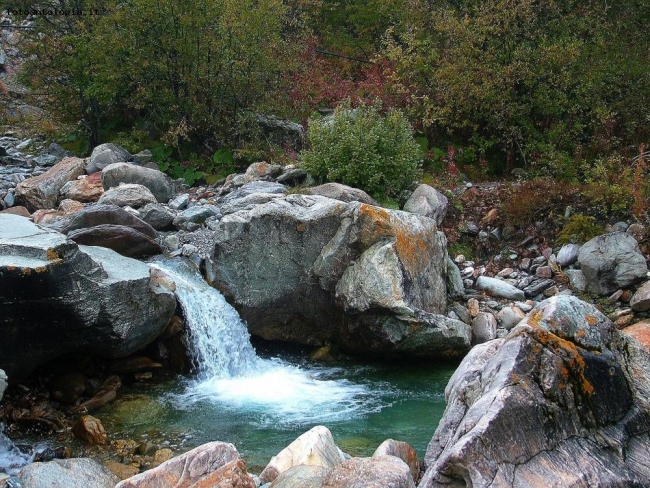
{"type": "Point", "coordinates": [365, 149]}
{"type": "Point", "coordinates": [579, 229]}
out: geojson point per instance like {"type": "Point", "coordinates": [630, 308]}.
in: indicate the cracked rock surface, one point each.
{"type": "Point", "coordinates": [563, 400]}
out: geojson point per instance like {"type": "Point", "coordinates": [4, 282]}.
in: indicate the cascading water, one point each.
{"type": "Point", "coordinates": [229, 373]}
{"type": "Point", "coordinates": [11, 458]}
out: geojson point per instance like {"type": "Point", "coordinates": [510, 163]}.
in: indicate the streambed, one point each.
{"type": "Point", "coordinates": [361, 404]}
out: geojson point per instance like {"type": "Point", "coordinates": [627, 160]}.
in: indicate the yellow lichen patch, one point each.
{"type": "Point", "coordinates": [52, 254]}
{"type": "Point", "coordinates": [375, 223]}
{"type": "Point", "coordinates": [591, 320]}
{"type": "Point", "coordinates": [301, 227]}
{"type": "Point", "coordinates": [412, 250]}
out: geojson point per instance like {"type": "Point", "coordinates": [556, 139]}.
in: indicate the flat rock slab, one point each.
{"type": "Point", "coordinates": [57, 297]}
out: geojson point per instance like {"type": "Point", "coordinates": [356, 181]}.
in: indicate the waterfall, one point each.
{"type": "Point", "coordinates": [229, 372]}
{"type": "Point", "coordinates": [11, 459]}
{"type": "Point", "coordinates": [218, 339]}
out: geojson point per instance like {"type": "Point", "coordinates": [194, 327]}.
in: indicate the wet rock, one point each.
{"type": "Point", "coordinates": [162, 455]}
{"type": "Point", "coordinates": [90, 430]}
{"type": "Point", "coordinates": [610, 262]}
{"type": "Point", "coordinates": [47, 313]}
{"type": "Point", "coordinates": [42, 192]}
{"type": "Point", "coordinates": [343, 193]}
{"type": "Point", "coordinates": [131, 195]}
{"type": "Point", "coordinates": [543, 407]}
{"type": "Point", "coordinates": [429, 202]}
{"type": "Point", "coordinates": [106, 394]}
{"type": "Point", "coordinates": [207, 465]}
{"type": "Point", "coordinates": [134, 364]}
{"type": "Point", "coordinates": [106, 154]}
{"type": "Point", "coordinates": [484, 328]}
{"type": "Point", "coordinates": [315, 447]}
{"type": "Point", "coordinates": [88, 189]}
{"type": "Point", "coordinates": [381, 471]}
{"type": "Point", "coordinates": [499, 288]}
{"type": "Point", "coordinates": [67, 388]}
{"type": "Point", "coordinates": [403, 451]}
{"type": "Point", "coordinates": [67, 473]}
{"type": "Point", "coordinates": [567, 255]}
{"type": "Point", "coordinates": [302, 476]}
{"type": "Point", "coordinates": [640, 301]}
{"type": "Point", "coordinates": [160, 185]}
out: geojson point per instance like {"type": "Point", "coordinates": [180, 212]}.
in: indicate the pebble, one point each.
{"type": "Point", "coordinates": [473, 307]}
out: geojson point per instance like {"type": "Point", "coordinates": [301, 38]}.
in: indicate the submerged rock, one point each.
{"type": "Point", "coordinates": [563, 400]}
{"type": "Point", "coordinates": [57, 297]}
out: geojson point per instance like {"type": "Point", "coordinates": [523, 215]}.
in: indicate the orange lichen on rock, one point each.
{"type": "Point", "coordinates": [591, 320]}
{"type": "Point", "coordinates": [569, 353]}
{"type": "Point", "coordinates": [52, 254]}
{"type": "Point", "coordinates": [412, 246]}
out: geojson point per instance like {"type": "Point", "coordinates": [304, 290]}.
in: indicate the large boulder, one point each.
{"type": "Point", "coordinates": [563, 400]}
{"type": "Point", "coordinates": [67, 473]}
{"type": "Point", "coordinates": [215, 464]}
{"type": "Point", "coordinates": [57, 297]}
{"type": "Point", "coordinates": [429, 202]}
{"type": "Point", "coordinates": [104, 215]}
{"type": "Point", "coordinates": [315, 447]}
{"type": "Point", "coordinates": [611, 262]}
{"type": "Point", "coordinates": [106, 154]}
{"type": "Point", "coordinates": [43, 191]}
{"type": "Point", "coordinates": [160, 185]}
{"type": "Point", "coordinates": [312, 269]}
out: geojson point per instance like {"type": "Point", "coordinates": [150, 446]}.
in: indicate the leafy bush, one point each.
{"type": "Point", "coordinates": [579, 229]}
{"type": "Point", "coordinates": [363, 148]}
{"type": "Point", "coordinates": [609, 184]}
{"type": "Point", "coordinates": [534, 199]}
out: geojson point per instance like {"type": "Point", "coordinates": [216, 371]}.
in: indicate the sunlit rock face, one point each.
{"type": "Point", "coordinates": [563, 400]}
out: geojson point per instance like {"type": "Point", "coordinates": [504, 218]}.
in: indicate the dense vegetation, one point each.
{"type": "Point", "coordinates": [557, 87]}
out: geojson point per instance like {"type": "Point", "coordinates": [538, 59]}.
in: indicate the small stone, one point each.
{"type": "Point", "coordinates": [617, 314]}
{"type": "Point", "coordinates": [162, 455]}
{"type": "Point", "coordinates": [624, 321]}
{"type": "Point", "coordinates": [484, 328]}
{"type": "Point", "coordinates": [640, 301]}
{"type": "Point", "coordinates": [510, 316]}
{"type": "Point", "coordinates": [577, 279]}
{"type": "Point", "coordinates": [504, 273]}
{"type": "Point", "coordinates": [473, 307]}
{"type": "Point", "coordinates": [544, 272]}
{"type": "Point", "coordinates": [614, 297]}
{"type": "Point", "coordinates": [460, 259]}
{"type": "Point", "coordinates": [90, 430]}
{"type": "Point", "coordinates": [498, 288]}
{"type": "Point", "coordinates": [180, 202]}
{"type": "Point", "coordinates": [552, 291]}
{"type": "Point", "coordinates": [568, 254]}
{"type": "Point", "coordinates": [122, 471]}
